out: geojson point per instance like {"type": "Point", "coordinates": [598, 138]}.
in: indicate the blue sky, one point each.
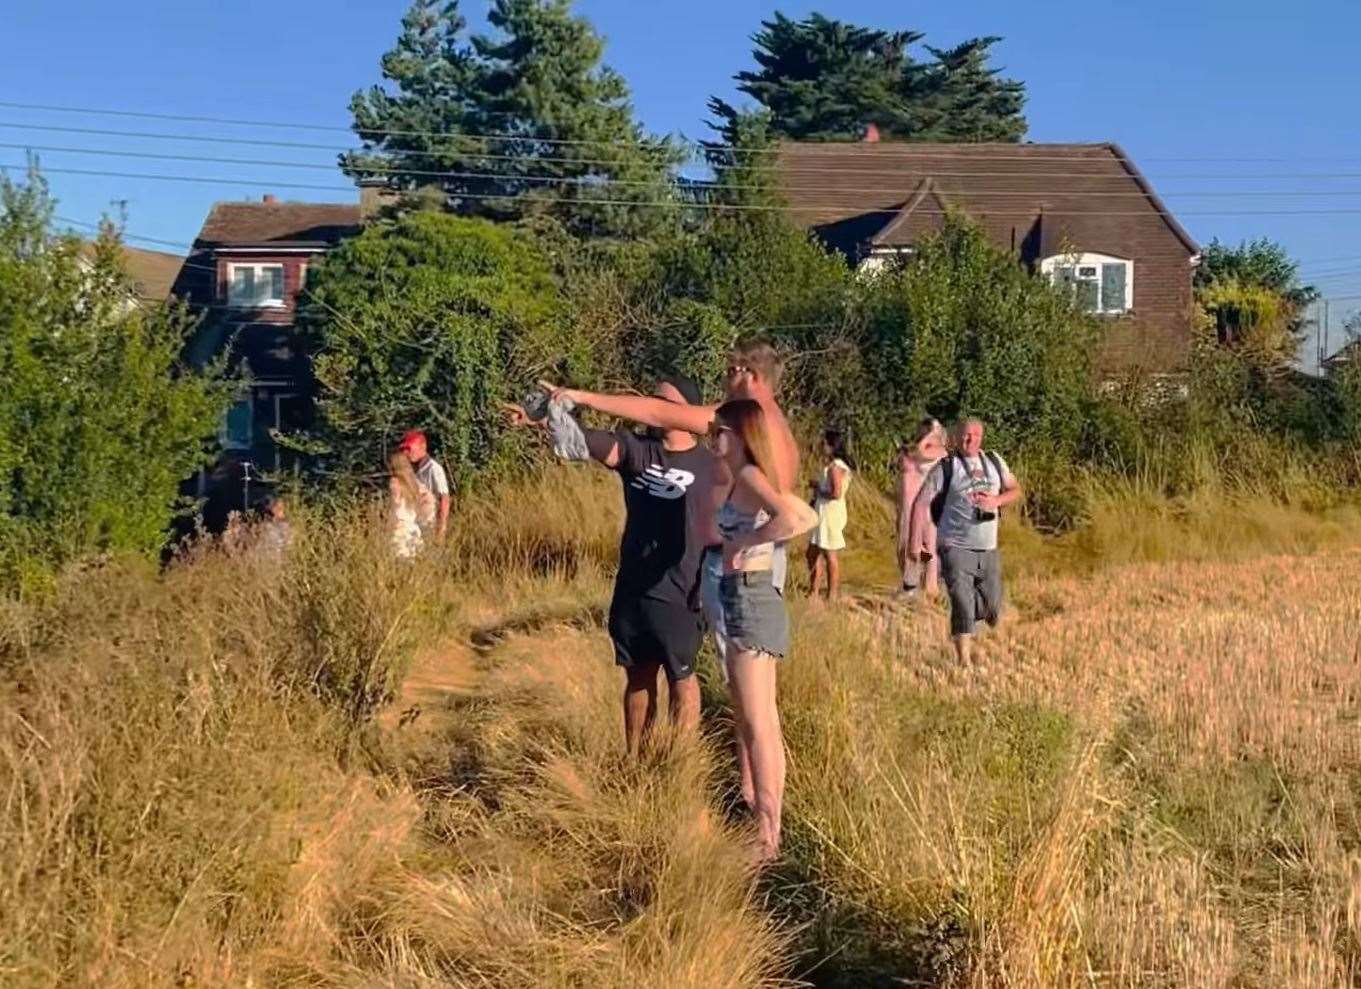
{"type": "Point", "coordinates": [1170, 81]}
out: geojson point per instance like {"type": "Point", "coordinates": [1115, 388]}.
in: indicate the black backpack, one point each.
{"type": "Point", "coordinates": [947, 470]}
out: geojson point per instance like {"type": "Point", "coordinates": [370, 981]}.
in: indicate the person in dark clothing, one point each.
{"type": "Point", "coordinates": [655, 621]}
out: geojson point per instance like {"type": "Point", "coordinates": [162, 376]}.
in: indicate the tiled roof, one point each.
{"type": "Point", "coordinates": [152, 272]}
{"type": "Point", "coordinates": [276, 223]}
{"type": "Point", "coordinates": [890, 194]}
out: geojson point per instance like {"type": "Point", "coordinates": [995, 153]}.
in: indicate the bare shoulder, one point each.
{"type": "Point", "coordinates": [789, 446]}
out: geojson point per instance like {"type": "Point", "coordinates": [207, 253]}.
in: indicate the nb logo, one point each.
{"type": "Point", "coordinates": [669, 484]}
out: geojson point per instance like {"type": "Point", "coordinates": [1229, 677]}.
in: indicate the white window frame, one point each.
{"type": "Point", "coordinates": [1049, 268]}
{"type": "Point", "coordinates": [882, 258]}
{"type": "Point", "coordinates": [258, 266]}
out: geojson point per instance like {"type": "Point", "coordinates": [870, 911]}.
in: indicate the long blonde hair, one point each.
{"type": "Point", "coordinates": [746, 418]}
{"type": "Point", "coordinates": [405, 476]}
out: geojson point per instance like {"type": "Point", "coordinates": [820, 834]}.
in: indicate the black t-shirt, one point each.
{"type": "Point", "coordinates": [659, 558]}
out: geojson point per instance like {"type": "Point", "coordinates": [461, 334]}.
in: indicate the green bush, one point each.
{"type": "Point", "coordinates": [430, 321]}
{"type": "Point", "coordinates": [99, 420]}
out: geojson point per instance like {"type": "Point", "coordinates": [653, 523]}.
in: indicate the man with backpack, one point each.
{"type": "Point", "coordinates": [966, 492]}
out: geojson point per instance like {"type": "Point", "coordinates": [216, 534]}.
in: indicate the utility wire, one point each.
{"type": "Point", "coordinates": [801, 168]}
{"type": "Point", "coordinates": [597, 182]}
{"type": "Point", "coordinates": [863, 148]}
{"type": "Point", "coordinates": [679, 204]}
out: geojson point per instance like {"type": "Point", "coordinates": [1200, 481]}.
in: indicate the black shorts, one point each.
{"type": "Point", "coordinates": [647, 631]}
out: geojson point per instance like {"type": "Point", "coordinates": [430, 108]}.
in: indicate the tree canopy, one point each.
{"type": "Point", "coordinates": [100, 421]}
{"type": "Point", "coordinates": [1253, 295]}
{"type": "Point", "coordinates": [429, 322]}
{"type": "Point", "coordinates": [525, 120]}
{"type": "Point", "coordinates": [821, 79]}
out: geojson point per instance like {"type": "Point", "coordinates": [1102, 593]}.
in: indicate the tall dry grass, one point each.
{"type": "Point", "coordinates": [197, 792]}
{"type": "Point", "coordinates": [339, 770]}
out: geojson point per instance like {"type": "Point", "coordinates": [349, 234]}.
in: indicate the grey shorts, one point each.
{"type": "Point", "coordinates": [973, 578]}
{"type": "Point", "coordinates": [755, 618]}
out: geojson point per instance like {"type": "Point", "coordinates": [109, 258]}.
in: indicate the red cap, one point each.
{"type": "Point", "coordinates": [410, 439]}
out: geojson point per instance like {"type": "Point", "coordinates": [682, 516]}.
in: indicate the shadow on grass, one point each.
{"type": "Point", "coordinates": [485, 639]}
{"type": "Point", "coordinates": [839, 946]}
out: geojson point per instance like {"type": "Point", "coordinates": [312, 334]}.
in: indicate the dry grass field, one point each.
{"type": "Point", "coordinates": [343, 772]}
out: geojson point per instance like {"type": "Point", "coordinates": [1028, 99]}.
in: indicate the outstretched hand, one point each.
{"type": "Point", "coordinates": [556, 393]}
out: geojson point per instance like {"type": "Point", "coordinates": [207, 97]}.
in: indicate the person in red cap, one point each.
{"type": "Point", "coordinates": [432, 478]}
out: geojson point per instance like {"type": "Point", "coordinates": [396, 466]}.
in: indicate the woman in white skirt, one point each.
{"type": "Point", "coordinates": [405, 495]}
{"type": "Point", "coordinates": [829, 501]}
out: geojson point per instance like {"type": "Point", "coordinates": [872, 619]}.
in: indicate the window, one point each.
{"type": "Point", "coordinates": [238, 425]}
{"type": "Point", "coordinates": [883, 259]}
{"type": "Point", "coordinates": [255, 286]}
{"type": "Point", "coordinates": [1101, 284]}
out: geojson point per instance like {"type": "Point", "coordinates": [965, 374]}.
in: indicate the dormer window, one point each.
{"type": "Point", "coordinates": [255, 286]}
{"type": "Point", "coordinates": [1100, 283]}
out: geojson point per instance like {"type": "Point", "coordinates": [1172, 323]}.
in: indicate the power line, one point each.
{"type": "Point", "coordinates": [646, 183]}
{"type": "Point", "coordinates": [683, 205]}
{"type": "Point", "coordinates": [864, 148]}
{"type": "Point", "coordinates": [801, 168]}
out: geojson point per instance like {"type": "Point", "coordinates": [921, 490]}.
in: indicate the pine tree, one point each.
{"type": "Point", "coordinates": [567, 123]}
{"type": "Point", "coordinates": [963, 99]}
{"type": "Point", "coordinates": [415, 135]}
{"type": "Point", "coordinates": [528, 120]}
{"type": "Point", "coordinates": [825, 80]}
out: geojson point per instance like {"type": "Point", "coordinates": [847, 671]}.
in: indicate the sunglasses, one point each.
{"type": "Point", "coordinates": [735, 369]}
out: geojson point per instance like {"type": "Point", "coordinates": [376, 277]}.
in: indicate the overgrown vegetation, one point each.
{"type": "Point", "coordinates": [100, 421]}
{"type": "Point", "coordinates": [201, 789]}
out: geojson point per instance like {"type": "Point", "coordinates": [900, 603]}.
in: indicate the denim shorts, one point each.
{"type": "Point", "coordinates": [755, 618]}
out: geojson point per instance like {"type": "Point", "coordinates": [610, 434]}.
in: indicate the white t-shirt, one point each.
{"type": "Point", "coordinates": [435, 483]}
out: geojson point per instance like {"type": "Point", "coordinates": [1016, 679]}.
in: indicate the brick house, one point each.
{"type": "Point", "coordinates": [1077, 213]}
{"type": "Point", "coordinates": [244, 272]}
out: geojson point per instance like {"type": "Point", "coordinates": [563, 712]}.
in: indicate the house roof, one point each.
{"type": "Point", "coordinates": [152, 272]}
{"type": "Point", "coordinates": [278, 224]}
{"type": "Point", "coordinates": [891, 194]}
{"type": "Point", "coordinates": [1344, 354]}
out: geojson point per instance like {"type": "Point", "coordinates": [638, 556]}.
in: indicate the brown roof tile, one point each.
{"type": "Point", "coordinates": [152, 272]}
{"type": "Point", "coordinates": [1091, 195]}
{"type": "Point", "coordinates": [302, 224]}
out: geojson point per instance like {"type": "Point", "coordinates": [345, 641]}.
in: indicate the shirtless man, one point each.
{"type": "Point", "coordinates": [754, 370]}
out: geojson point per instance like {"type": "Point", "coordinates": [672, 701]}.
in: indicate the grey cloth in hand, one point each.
{"type": "Point", "coordinates": [569, 442]}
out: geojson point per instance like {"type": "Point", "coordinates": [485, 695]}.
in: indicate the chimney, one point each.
{"type": "Point", "coordinates": [871, 134]}
{"type": "Point", "coordinates": [268, 199]}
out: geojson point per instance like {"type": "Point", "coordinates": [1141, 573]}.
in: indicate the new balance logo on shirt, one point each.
{"type": "Point", "coordinates": [670, 484]}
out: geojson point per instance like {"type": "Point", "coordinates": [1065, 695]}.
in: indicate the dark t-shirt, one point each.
{"type": "Point", "coordinates": [659, 558]}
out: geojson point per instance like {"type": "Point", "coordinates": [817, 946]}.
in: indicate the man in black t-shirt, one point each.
{"type": "Point", "coordinates": [655, 618]}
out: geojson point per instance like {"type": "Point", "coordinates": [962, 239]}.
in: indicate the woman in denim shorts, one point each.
{"type": "Point", "coordinates": [755, 522]}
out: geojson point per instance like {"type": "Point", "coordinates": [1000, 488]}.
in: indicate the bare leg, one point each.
{"type": "Point", "coordinates": [833, 574]}
{"type": "Point", "coordinates": [964, 649]}
{"type": "Point", "coordinates": [754, 684]}
{"type": "Point", "coordinates": [683, 705]}
{"type": "Point", "coordinates": [740, 737]}
{"type": "Point", "coordinates": [814, 570]}
{"type": "Point", "coordinates": [640, 703]}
